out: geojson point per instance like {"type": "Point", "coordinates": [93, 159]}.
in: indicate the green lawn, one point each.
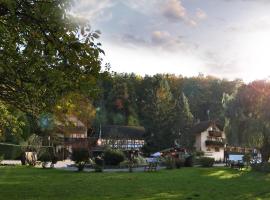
{"type": "Point", "coordinates": [186, 183]}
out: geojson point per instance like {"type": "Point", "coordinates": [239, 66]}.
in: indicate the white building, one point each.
{"type": "Point", "coordinates": [210, 139]}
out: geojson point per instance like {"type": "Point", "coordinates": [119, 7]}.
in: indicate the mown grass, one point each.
{"type": "Point", "coordinates": [187, 183]}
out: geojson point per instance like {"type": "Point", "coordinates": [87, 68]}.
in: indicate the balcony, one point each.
{"type": "Point", "coordinates": [216, 143]}
{"type": "Point", "coordinates": [215, 133]}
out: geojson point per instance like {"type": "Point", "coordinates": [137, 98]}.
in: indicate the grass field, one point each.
{"type": "Point", "coordinates": [187, 183]}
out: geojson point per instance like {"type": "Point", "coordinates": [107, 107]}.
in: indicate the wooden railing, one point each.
{"type": "Point", "coordinates": [218, 143]}
{"type": "Point", "coordinates": [215, 139]}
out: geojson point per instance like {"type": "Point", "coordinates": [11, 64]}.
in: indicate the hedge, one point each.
{"type": "Point", "coordinates": [10, 152]}
{"type": "Point", "coordinates": [206, 161]}
{"type": "Point", "coordinates": [113, 157]}
{"type": "Point", "coordinates": [261, 167]}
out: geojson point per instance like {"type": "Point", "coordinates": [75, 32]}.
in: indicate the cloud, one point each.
{"type": "Point", "coordinates": [200, 14]}
{"type": "Point", "coordinates": [159, 37]}
{"type": "Point", "coordinates": [175, 11]}
{"type": "Point", "coordinates": [254, 25]}
{"type": "Point", "coordinates": [92, 9]}
{"type": "Point", "coordinates": [172, 10]}
{"type": "Point", "coordinates": [131, 39]}
{"type": "Point", "coordinates": [168, 42]}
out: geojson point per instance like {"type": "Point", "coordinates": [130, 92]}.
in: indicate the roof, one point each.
{"type": "Point", "coordinates": [122, 132]}
{"type": "Point", "coordinates": [202, 126]}
{"type": "Point", "coordinates": [71, 125]}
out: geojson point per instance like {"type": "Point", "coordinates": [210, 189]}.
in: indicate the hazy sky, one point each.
{"type": "Point", "coordinates": [225, 38]}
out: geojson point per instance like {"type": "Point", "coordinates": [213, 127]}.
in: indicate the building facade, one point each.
{"type": "Point", "coordinates": [121, 137]}
{"type": "Point", "coordinates": [210, 139]}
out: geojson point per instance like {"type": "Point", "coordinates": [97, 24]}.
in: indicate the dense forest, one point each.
{"type": "Point", "coordinates": [166, 105]}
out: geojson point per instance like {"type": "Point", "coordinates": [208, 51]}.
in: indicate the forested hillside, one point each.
{"type": "Point", "coordinates": [166, 105]}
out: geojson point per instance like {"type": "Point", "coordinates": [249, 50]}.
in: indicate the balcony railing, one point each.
{"type": "Point", "coordinates": [218, 143]}
{"type": "Point", "coordinates": [215, 138]}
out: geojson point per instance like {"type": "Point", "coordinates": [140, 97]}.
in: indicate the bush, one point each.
{"type": "Point", "coordinates": [80, 156]}
{"type": "Point", "coordinates": [261, 167]}
{"type": "Point", "coordinates": [1, 158]}
{"type": "Point", "coordinates": [98, 166]}
{"type": "Point", "coordinates": [139, 160]}
{"type": "Point", "coordinates": [179, 163]}
{"type": "Point", "coordinates": [23, 158]}
{"type": "Point", "coordinates": [169, 162]}
{"type": "Point", "coordinates": [11, 152]}
{"type": "Point", "coordinates": [199, 153]}
{"type": "Point", "coordinates": [189, 161]}
{"type": "Point", "coordinates": [45, 157]}
{"type": "Point", "coordinates": [206, 162]}
{"type": "Point", "coordinates": [48, 156]}
{"type": "Point", "coordinates": [247, 159]}
{"type": "Point", "coordinates": [113, 157]}
{"type": "Point", "coordinates": [62, 154]}
{"type": "Point", "coordinates": [125, 163]}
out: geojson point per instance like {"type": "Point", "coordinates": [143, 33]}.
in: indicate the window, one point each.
{"type": "Point", "coordinates": [208, 149]}
{"type": "Point", "coordinates": [216, 149]}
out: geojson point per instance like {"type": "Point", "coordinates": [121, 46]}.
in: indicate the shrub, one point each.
{"type": "Point", "coordinates": [54, 159]}
{"type": "Point", "coordinates": [207, 162]}
{"type": "Point", "coordinates": [1, 158]}
{"type": "Point", "coordinates": [62, 154]}
{"type": "Point", "coordinates": [125, 163]}
{"type": "Point", "coordinates": [98, 166]}
{"type": "Point", "coordinates": [113, 157]}
{"type": "Point", "coordinates": [261, 167]}
{"type": "Point", "coordinates": [179, 163]}
{"type": "Point", "coordinates": [11, 152]}
{"type": "Point", "coordinates": [169, 162]}
{"type": "Point", "coordinates": [80, 156]}
{"type": "Point", "coordinates": [199, 153]}
{"type": "Point", "coordinates": [45, 157]}
{"type": "Point", "coordinates": [48, 156]}
{"type": "Point", "coordinates": [139, 160]}
{"type": "Point", "coordinates": [23, 158]}
{"type": "Point", "coordinates": [247, 159]}
{"type": "Point", "coordinates": [189, 161]}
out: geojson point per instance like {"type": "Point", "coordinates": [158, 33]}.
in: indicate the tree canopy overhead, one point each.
{"type": "Point", "coordinates": [45, 53]}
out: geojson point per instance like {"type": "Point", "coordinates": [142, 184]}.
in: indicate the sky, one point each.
{"type": "Point", "coordinates": [224, 38]}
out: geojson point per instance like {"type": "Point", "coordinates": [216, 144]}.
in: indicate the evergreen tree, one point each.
{"type": "Point", "coordinates": [183, 121]}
